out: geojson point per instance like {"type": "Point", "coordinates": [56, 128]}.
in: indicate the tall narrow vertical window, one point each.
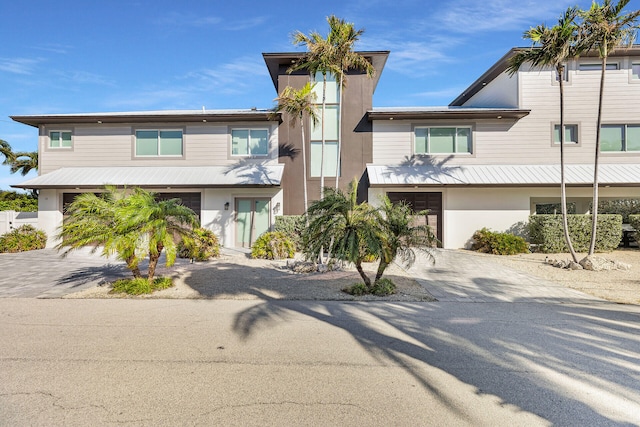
{"type": "Point", "coordinates": [158, 143]}
{"type": "Point", "coordinates": [331, 128]}
{"type": "Point", "coordinates": [59, 139]}
{"type": "Point", "coordinates": [249, 142]}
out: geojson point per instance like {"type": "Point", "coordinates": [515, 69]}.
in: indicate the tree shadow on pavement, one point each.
{"type": "Point", "coordinates": [570, 364]}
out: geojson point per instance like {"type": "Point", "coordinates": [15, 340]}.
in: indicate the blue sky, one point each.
{"type": "Point", "coordinates": [87, 56]}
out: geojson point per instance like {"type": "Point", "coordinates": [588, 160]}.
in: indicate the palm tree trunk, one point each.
{"type": "Point", "coordinates": [304, 169]}
{"type": "Point", "coordinates": [324, 103]}
{"type": "Point", "coordinates": [381, 268]}
{"type": "Point", "coordinates": [563, 186]}
{"type": "Point", "coordinates": [133, 266]}
{"type": "Point", "coordinates": [153, 262]}
{"type": "Point", "coordinates": [594, 212]}
{"type": "Point", "coordinates": [339, 132]}
{"type": "Point", "coordinates": [363, 275]}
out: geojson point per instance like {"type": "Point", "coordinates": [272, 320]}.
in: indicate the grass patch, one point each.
{"type": "Point", "coordinates": [140, 286]}
{"type": "Point", "coordinates": [381, 288]}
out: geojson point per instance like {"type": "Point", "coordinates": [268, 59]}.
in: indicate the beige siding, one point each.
{"type": "Point", "coordinates": [529, 140]}
{"type": "Point", "coordinates": [112, 145]}
{"type": "Point", "coordinates": [499, 93]}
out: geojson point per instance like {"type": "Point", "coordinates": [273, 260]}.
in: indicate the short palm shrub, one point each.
{"type": "Point", "coordinates": [204, 245]}
{"type": "Point", "coordinates": [273, 245]}
{"type": "Point", "coordinates": [492, 242]}
{"type": "Point", "coordinates": [140, 285]}
{"type": "Point", "coordinates": [23, 238]}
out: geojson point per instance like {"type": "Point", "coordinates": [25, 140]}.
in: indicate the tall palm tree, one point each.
{"type": "Point", "coordinates": [342, 37]}
{"type": "Point", "coordinates": [316, 60]}
{"type": "Point", "coordinates": [553, 47]}
{"type": "Point", "coordinates": [604, 28]}
{"type": "Point", "coordinates": [298, 104]}
{"type": "Point", "coordinates": [24, 162]}
{"type": "Point", "coordinates": [131, 226]}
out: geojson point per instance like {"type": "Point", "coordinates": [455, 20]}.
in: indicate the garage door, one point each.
{"type": "Point", "coordinates": [420, 202]}
{"type": "Point", "coordinates": [190, 200]}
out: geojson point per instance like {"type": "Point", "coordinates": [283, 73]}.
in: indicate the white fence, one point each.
{"type": "Point", "coordinates": [12, 219]}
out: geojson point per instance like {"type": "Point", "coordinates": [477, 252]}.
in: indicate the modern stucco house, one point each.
{"type": "Point", "coordinates": [489, 159]}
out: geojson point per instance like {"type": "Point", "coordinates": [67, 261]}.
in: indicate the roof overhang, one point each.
{"type": "Point", "coordinates": [425, 174]}
{"type": "Point", "coordinates": [188, 116]}
{"type": "Point", "coordinates": [276, 61]}
{"type": "Point", "coordinates": [244, 175]}
{"type": "Point", "coordinates": [445, 113]}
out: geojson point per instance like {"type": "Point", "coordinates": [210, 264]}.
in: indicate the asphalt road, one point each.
{"type": "Point", "coordinates": [203, 362]}
{"type": "Point", "coordinates": [499, 349]}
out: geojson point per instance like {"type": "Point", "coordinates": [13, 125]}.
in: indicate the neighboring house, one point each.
{"type": "Point", "coordinates": [222, 164]}
{"type": "Point", "coordinates": [490, 159]}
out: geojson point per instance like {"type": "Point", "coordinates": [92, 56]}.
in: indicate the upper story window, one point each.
{"type": "Point", "coordinates": [635, 71]}
{"type": "Point", "coordinates": [60, 139]}
{"type": "Point", "coordinates": [570, 134]}
{"type": "Point", "coordinates": [619, 138]}
{"type": "Point", "coordinates": [597, 66]}
{"type": "Point", "coordinates": [442, 140]}
{"type": "Point", "coordinates": [249, 142]}
{"type": "Point", "coordinates": [159, 143]}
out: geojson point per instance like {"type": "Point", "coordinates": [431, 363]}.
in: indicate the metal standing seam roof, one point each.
{"type": "Point", "coordinates": [252, 175]}
{"type": "Point", "coordinates": [608, 174]}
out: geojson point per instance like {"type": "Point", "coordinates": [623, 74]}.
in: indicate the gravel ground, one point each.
{"type": "Point", "coordinates": [239, 277]}
{"type": "Point", "coordinates": [615, 285]}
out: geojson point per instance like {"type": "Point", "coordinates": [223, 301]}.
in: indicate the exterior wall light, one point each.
{"type": "Point", "coordinates": [226, 206]}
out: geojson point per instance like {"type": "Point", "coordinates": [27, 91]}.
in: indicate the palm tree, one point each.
{"type": "Point", "coordinates": [24, 162]}
{"type": "Point", "coordinates": [604, 29]}
{"type": "Point", "coordinates": [402, 234]}
{"type": "Point", "coordinates": [342, 37]}
{"type": "Point", "coordinates": [316, 60]}
{"type": "Point", "coordinates": [298, 103]}
{"type": "Point", "coordinates": [350, 230]}
{"type": "Point", "coordinates": [131, 226]}
{"type": "Point", "coordinates": [553, 47]}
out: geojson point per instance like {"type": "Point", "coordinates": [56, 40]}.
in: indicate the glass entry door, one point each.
{"type": "Point", "coordinates": [252, 219]}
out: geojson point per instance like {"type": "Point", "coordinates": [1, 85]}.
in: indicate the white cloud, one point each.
{"type": "Point", "coordinates": [24, 66]}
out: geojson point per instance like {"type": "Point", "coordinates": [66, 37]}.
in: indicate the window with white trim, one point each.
{"type": "Point", "coordinates": [159, 143]}
{"type": "Point", "coordinates": [619, 138]}
{"type": "Point", "coordinates": [442, 140]}
{"type": "Point", "coordinates": [249, 142]}
{"type": "Point", "coordinates": [60, 139]}
{"type": "Point", "coordinates": [570, 134]}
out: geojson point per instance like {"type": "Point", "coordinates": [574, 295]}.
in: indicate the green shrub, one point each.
{"type": "Point", "coordinates": [381, 288]}
{"type": "Point", "coordinates": [202, 248]}
{"type": "Point", "coordinates": [273, 245]}
{"type": "Point", "coordinates": [624, 207]}
{"type": "Point", "coordinates": [492, 242]}
{"type": "Point", "coordinates": [546, 232]}
{"type": "Point", "coordinates": [292, 226]}
{"type": "Point", "coordinates": [23, 238]}
{"type": "Point", "coordinates": [140, 285]}
{"type": "Point", "coordinates": [634, 221]}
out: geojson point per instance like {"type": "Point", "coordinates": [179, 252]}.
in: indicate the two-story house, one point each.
{"type": "Point", "coordinates": [489, 159]}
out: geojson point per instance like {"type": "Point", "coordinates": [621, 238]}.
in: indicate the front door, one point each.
{"type": "Point", "coordinates": [252, 219]}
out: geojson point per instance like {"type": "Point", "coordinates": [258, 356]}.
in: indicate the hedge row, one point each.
{"type": "Point", "coordinates": [292, 226]}
{"type": "Point", "coordinates": [546, 232]}
{"type": "Point", "coordinates": [634, 221]}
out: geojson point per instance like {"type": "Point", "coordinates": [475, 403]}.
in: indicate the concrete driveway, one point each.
{"type": "Point", "coordinates": [470, 359]}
